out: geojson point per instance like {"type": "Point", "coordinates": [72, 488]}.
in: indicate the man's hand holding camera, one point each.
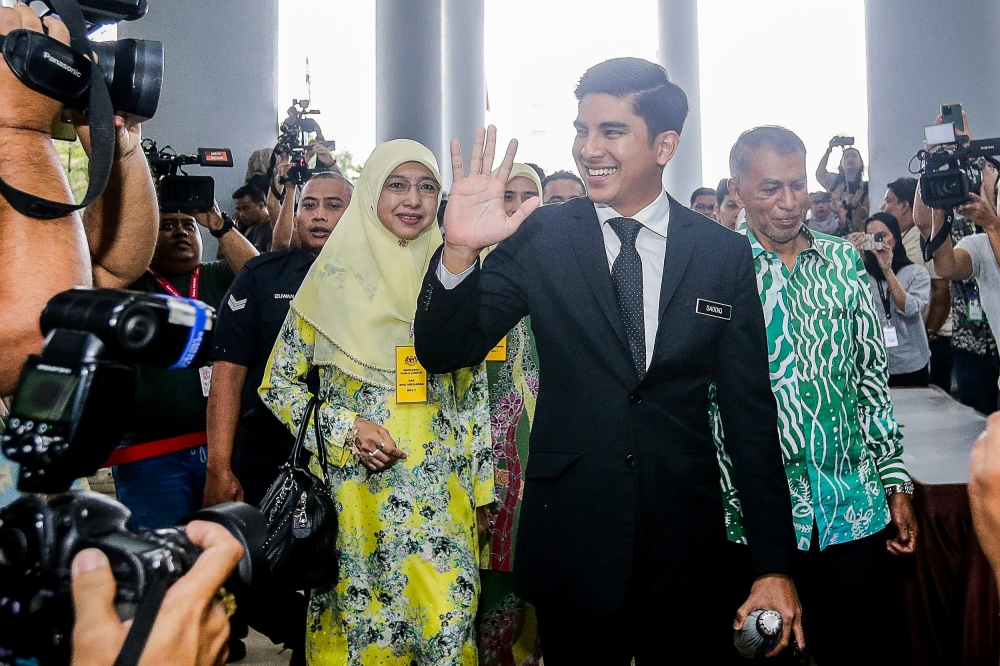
{"type": "Point", "coordinates": [23, 108]}
{"type": "Point", "coordinates": [192, 626]}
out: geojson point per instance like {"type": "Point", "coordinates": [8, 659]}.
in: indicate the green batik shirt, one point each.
{"type": "Point", "coordinates": [839, 440]}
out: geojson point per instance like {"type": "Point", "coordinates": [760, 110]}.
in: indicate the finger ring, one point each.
{"type": "Point", "coordinates": [372, 453]}
{"type": "Point", "coordinates": [381, 445]}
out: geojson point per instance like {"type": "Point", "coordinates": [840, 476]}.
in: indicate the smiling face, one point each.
{"type": "Point", "coordinates": [518, 190]}
{"type": "Point", "coordinates": [773, 191]}
{"type": "Point", "coordinates": [323, 202]}
{"type": "Point", "coordinates": [619, 163]}
{"type": "Point", "coordinates": [409, 200]}
{"type": "Point", "coordinates": [178, 245]}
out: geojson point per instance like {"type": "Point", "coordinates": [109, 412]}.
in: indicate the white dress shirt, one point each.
{"type": "Point", "coordinates": [651, 244]}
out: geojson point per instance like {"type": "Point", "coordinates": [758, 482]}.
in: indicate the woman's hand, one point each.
{"type": "Point", "coordinates": [884, 258]}
{"type": "Point", "coordinates": [374, 447]}
{"type": "Point", "coordinates": [857, 239]}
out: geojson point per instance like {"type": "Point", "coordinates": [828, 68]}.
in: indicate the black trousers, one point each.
{"type": "Point", "coordinates": [941, 364]}
{"type": "Point", "coordinates": [654, 629]}
{"type": "Point", "coordinates": [278, 614]}
{"type": "Point", "coordinates": [848, 611]}
{"type": "Point", "coordinates": [919, 377]}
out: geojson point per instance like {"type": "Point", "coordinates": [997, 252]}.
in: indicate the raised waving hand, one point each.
{"type": "Point", "coordinates": [475, 218]}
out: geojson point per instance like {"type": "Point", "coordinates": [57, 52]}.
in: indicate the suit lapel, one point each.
{"type": "Point", "coordinates": [588, 243]}
{"type": "Point", "coordinates": [680, 245]}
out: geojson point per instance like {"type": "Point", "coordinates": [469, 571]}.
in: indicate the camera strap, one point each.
{"type": "Point", "coordinates": [142, 623]}
{"type": "Point", "coordinates": [102, 126]}
{"type": "Point", "coordinates": [931, 246]}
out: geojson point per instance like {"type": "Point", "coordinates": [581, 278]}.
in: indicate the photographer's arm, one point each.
{"type": "Point", "coordinates": [826, 179]}
{"type": "Point", "coordinates": [235, 247]}
{"type": "Point", "coordinates": [38, 258]}
{"type": "Point", "coordinates": [284, 230]}
{"type": "Point", "coordinates": [948, 263]}
{"type": "Point", "coordinates": [121, 225]}
{"type": "Point", "coordinates": [940, 306]}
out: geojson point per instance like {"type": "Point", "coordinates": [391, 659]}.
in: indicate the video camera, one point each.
{"type": "Point", "coordinates": [67, 412]}
{"type": "Point", "coordinates": [293, 141]}
{"type": "Point", "coordinates": [949, 173]}
{"type": "Point", "coordinates": [180, 191]}
{"type": "Point", "coordinates": [125, 79]}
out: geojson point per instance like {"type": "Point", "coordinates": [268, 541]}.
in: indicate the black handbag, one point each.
{"type": "Point", "coordinates": [301, 544]}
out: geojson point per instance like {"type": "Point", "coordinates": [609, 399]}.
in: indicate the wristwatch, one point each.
{"type": "Point", "coordinates": [905, 488]}
{"type": "Point", "coordinates": [227, 225]}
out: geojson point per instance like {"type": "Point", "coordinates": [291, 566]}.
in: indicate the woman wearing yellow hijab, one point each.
{"type": "Point", "coordinates": [407, 476]}
{"type": "Point", "coordinates": [506, 627]}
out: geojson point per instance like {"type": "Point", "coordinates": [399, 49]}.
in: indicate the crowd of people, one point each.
{"type": "Point", "coordinates": [620, 413]}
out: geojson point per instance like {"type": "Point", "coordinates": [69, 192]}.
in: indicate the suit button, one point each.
{"type": "Point", "coordinates": [635, 399]}
{"type": "Point", "coordinates": [630, 460]}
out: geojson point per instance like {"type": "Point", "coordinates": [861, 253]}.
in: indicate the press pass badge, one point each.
{"type": "Point", "coordinates": [975, 312]}
{"type": "Point", "coordinates": [891, 338]}
{"type": "Point", "coordinates": [205, 375]}
{"type": "Point", "coordinates": [411, 378]}
{"type": "Point", "coordinates": [498, 353]}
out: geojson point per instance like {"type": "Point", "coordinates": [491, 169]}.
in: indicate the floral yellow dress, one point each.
{"type": "Point", "coordinates": [407, 547]}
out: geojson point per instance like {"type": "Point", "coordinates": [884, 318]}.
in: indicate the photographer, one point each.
{"type": "Point", "coordinates": [847, 187]}
{"type": "Point", "coordinates": [160, 474]}
{"type": "Point", "coordinates": [191, 626]}
{"type": "Point", "coordinates": [968, 257]}
{"type": "Point", "coordinates": [110, 247]}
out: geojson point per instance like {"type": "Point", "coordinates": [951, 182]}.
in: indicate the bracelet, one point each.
{"type": "Point", "coordinates": [227, 226]}
{"type": "Point", "coordinates": [905, 488]}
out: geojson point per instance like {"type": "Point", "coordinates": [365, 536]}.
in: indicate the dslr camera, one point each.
{"type": "Point", "coordinates": [67, 414]}
{"type": "Point", "coordinates": [952, 167]}
{"type": "Point", "coordinates": [177, 190]}
{"type": "Point", "coordinates": [294, 138]}
{"type": "Point", "coordinates": [131, 68]}
{"type": "Point", "coordinates": [39, 538]}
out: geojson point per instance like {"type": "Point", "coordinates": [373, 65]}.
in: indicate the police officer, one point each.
{"type": "Point", "coordinates": [246, 443]}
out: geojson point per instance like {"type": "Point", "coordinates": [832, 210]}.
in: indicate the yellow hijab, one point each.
{"type": "Point", "coordinates": [361, 293]}
{"type": "Point", "coordinates": [525, 171]}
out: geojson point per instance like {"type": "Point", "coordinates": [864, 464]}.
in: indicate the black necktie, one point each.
{"type": "Point", "coordinates": [626, 273]}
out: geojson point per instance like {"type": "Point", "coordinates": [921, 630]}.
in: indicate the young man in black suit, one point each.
{"type": "Point", "coordinates": [638, 305]}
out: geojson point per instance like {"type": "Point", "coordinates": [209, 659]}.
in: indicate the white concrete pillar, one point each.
{"type": "Point", "coordinates": [464, 76]}
{"type": "Point", "coordinates": [408, 72]}
{"type": "Point", "coordinates": [678, 53]}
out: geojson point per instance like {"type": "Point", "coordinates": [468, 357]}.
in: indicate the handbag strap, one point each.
{"type": "Point", "coordinates": [311, 411]}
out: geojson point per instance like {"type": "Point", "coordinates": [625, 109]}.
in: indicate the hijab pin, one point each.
{"type": "Point", "coordinates": [403, 242]}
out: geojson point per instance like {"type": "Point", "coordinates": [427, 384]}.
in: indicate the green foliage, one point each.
{"type": "Point", "coordinates": [74, 162]}
{"type": "Point", "coordinates": [347, 166]}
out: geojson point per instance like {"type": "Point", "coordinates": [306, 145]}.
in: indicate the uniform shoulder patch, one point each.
{"type": "Point", "coordinates": [236, 305]}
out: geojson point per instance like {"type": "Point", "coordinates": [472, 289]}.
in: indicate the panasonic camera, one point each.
{"type": "Point", "coordinates": [952, 166]}
{"type": "Point", "coordinates": [68, 411]}
{"type": "Point", "coordinates": [177, 190]}
{"type": "Point", "coordinates": [39, 538]}
{"type": "Point", "coordinates": [131, 68]}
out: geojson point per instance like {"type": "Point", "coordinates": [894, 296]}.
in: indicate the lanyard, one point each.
{"type": "Point", "coordinates": [884, 294]}
{"type": "Point", "coordinates": [169, 288]}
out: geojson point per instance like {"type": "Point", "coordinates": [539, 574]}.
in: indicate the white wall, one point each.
{"type": "Point", "coordinates": [219, 81]}
{"type": "Point", "coordinates": [923, 54]}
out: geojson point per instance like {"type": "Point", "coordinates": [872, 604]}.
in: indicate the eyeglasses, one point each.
{"type": "Point", "coordinates": [703, 208]}
{"type": "Point", "coordinates": [401, 186]}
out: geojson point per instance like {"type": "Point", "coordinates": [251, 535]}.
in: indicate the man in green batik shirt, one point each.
{"type": "Point", "coordinates": [850, 492]}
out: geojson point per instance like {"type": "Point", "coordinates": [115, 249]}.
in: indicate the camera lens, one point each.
{"type": "Point", "coordinates": [133, 70]}
{"type": "Point", "coordinates": [138, 329]}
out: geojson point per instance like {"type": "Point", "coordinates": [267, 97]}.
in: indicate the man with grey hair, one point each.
{"type": "Point", "coordinates": [841, 444]}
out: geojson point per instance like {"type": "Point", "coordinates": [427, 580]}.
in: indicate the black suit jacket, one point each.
{"type": "Point", "coordinates": [616, 461]}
